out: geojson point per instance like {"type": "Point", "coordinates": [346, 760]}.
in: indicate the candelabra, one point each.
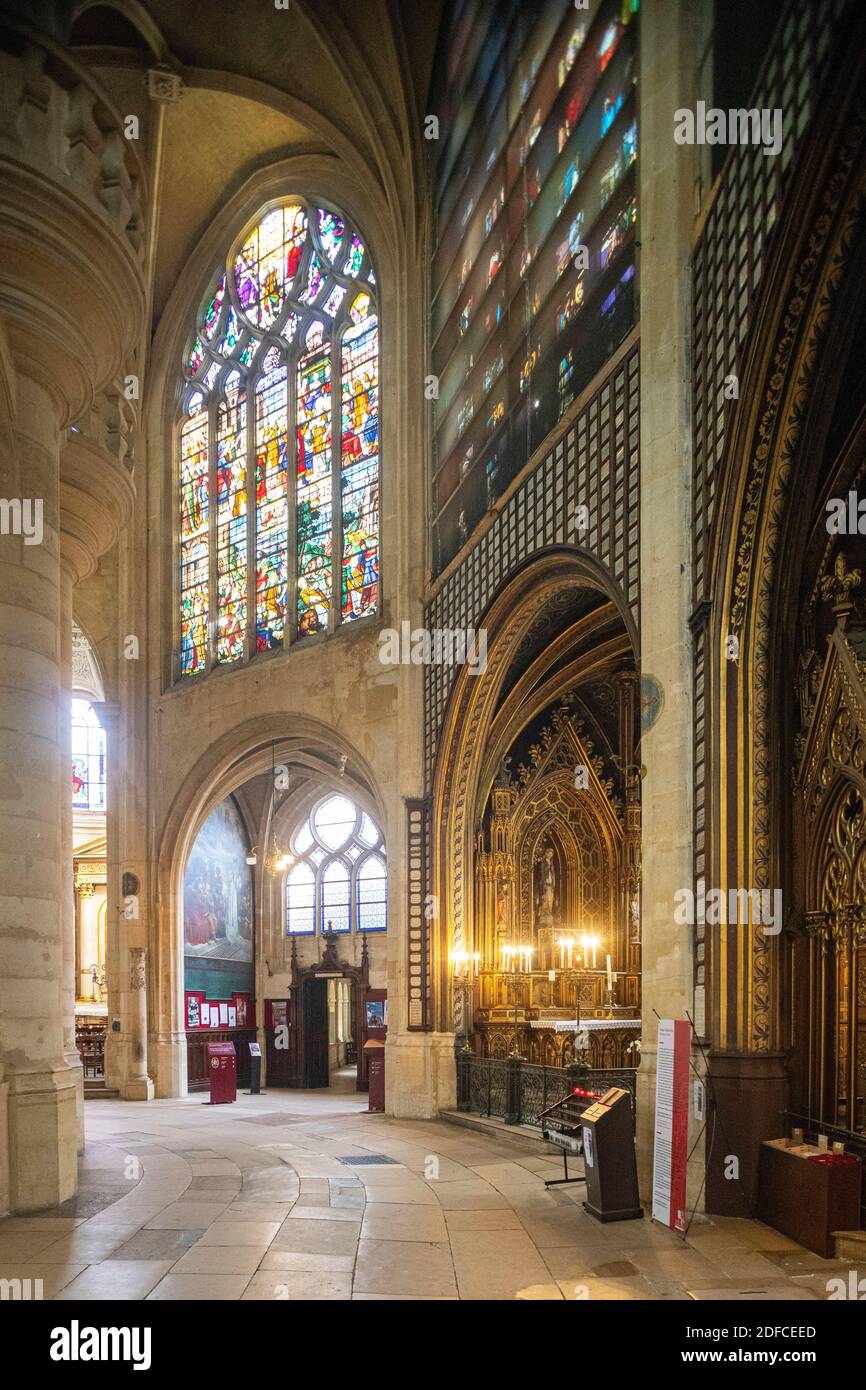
{"type": "Point", "coordinates": [516, 961]}
{"type": "Point", "coordinates": [464, 968]}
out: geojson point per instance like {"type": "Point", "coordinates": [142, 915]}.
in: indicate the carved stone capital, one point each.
{"type": "Point", "coordinates": [137, 967]}
{"type": "Point", "coordinates": [96, 500]}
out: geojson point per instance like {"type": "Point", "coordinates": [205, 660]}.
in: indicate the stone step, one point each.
{"type": "Point", "coordinates": [517, 1134]}
{"type": "Point", "coordinates": [850, 1245]}
{"type": "Point", "coordinates": [99, 1093]}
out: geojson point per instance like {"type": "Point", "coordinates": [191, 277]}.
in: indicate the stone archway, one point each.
{"type": "Point", "coordinates": [533, 592]}
{"type": "Point", "coordinates": [239, 755]}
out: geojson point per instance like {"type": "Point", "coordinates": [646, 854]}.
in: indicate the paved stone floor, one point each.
{"type": "Point", "coordinates": [271, 1199]}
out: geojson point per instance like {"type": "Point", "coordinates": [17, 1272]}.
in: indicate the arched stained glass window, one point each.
{"type": "Point", "coordinates": [279, 442]}
{"type": "Point", "coordinates": [339, 881]}
{"type": "Point", "coordinates": [301, 899]}
{"type": "Point", "coordinates": [372, 894]}
{"type": "Point", "coordinates": [335, 896]}
{"type": "Point", "coordinates": [88, 758]}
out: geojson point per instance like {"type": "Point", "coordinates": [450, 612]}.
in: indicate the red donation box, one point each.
{"type": "Point", "coordinates": [375, 1051]}
{"type": "Point", "coordinates": [222, 1069]}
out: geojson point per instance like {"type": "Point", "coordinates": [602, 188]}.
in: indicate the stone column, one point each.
{"type": "Point", "coordinates": [42, 1123]}
{"type": "Point", "coordinates": [72, 306]}
{"type": "Point", "coordinates": [70, 953]}
{"type": "Point", "coordinates": [138, 1085]}
{"type": "Point", "coordinates": [115, 943]}
{"type": "Point", "coordinates": [671, 39]}
{"type": "Point", "coordinates": [126, 980]}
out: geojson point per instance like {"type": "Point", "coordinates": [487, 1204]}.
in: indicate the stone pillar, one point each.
{"type": "Point", "coordinates": [138, 1085]}
{"type": "Point", "coordinates": [126, 980]}
{"type": "Point", "coordinates": [115, 944]}
{"type": "Point", "coordinates": [72, 307]}
{"type": "Point", "coordinates": [70, 952]}
{"type": "Point", "coordinates": [43, 1128]}
{"type": "Point", "coordinates": [671, 39]}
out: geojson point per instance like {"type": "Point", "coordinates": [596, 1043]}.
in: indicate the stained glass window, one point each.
{"type": "Point", "coordinates": [279, 442]}
{"type": "Point", "coordinates": [372, 894]}
{"type": "Point", "coordinates": [88, 758]}
{"type": "Point", "coordinates": [339, 881]}
{"type": "Point", "coordinates": [535, 190]}
{"type": "Point", "coordinates": [231, 497]}
{"type": "Point", "coordinates": [301, 899]}
{"type": "Point", "coordinates": [194, 536]}
{"type": "Point", "coordinates": [314, 482]}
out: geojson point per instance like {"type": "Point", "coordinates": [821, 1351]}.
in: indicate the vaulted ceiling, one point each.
{"type": "Point", "coordinates": [260, 83]}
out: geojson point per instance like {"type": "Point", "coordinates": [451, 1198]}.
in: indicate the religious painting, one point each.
{"type": "Point", "coordinates": [217, 890]}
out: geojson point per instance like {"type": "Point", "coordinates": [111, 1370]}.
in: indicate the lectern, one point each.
{"type": "Point", "coordinates": [609, 1158]}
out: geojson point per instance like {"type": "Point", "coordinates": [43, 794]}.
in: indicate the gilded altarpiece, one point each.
{"type": "Point", "coordinates": [556, 892]}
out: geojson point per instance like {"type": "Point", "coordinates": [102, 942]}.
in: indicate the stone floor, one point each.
{"type": "Point", "coordinates": [271, 1198]}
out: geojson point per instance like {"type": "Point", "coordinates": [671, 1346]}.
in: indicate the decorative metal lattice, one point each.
{"type": "Point", "coordinates": [594, 463]}
{"type": "Point", "coordinates": [534, 1087]}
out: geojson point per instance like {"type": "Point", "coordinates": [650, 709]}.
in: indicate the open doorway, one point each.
{"type": "Point", "coordinates": [330, 1043]}
{"type": "Point", "coordinates": [316, 1069]}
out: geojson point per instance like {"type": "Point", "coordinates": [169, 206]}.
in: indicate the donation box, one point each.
{"type": "Point", "coordinates": [222, 1069]}
{"type": "Point", "coordinates": [609, 1158]}
{"type": "Point", "coordinates": [375, 1051]}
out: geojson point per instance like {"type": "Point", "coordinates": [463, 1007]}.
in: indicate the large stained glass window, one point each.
{"type": "Point", "coordinates": [338, 881]}
{"type": "Point", "coordinates": [279, 442]}
{"type": "Point", "coordinates": [536, 217]}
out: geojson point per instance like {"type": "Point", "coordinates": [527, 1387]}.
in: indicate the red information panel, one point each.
{"type": "Point", "coordinates": [672, 1123]}
{"type": "Point", "coordinates": [222, 1066]}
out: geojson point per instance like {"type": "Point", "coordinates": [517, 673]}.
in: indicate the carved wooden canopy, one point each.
{"type": "Point", "coordinates": [832, 777]}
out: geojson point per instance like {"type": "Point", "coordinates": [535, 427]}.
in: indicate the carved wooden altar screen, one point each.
{"type": "Point", "coordinates": [832, 809]}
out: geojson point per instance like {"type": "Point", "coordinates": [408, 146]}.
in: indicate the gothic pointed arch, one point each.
{"type": "Point", "coordinates": [561, 592]}
{"type": "Point", "coordinates": [770, 486]}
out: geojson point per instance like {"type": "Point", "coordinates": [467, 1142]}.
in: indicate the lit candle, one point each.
{"type": "Point", "coordinates": [570, 949]}
{"type": "Point", "coordinates": [477, 959]}
{"type": "Point", "coordinates": [609, 974]}
{"type": "Point", "coordinates": [562, 953]}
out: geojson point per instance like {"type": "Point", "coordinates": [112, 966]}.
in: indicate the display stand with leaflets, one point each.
{"type": "Point", "coordinates": [609, 1159]}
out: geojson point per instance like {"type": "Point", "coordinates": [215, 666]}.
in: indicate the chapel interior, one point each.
{"type": "Point", "coordinates": [432, 598]}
